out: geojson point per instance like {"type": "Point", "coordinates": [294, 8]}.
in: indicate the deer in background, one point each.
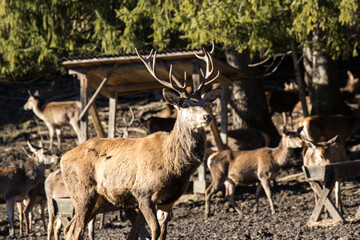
{"type": "Point", "coordinates": [151, 172]}
{"type": "Point", "coordinates": [242, 139]}
{"type": "Point", "coordinates": [55, 114]}
{"type": "Point", "coordinates": [232, 168]}
{"type": "Point", "coordinates": [15, 183]}
{"type": "Point", "coordinates": [323, 153]}
{"type": "Point", "coordinates": [55, 188]}
{"type": "Point", "coordinates": [322, 128]}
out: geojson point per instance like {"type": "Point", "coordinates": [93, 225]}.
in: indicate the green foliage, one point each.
{"type": "Point", "coordinates": [35, 34]}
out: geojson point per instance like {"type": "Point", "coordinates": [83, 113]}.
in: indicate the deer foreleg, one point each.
{"type": "Point", "coordinates": [163, 217]}
{"type": "Point", "coordinates": [338, 196]}
{"type": "Point", "coordinates": [20, 209]}
{"type": "Point", "coordinates": [58, 136]}
{"type": "Point", "coordinates": [230, 189]}
{"type": "Point", "coordinates": [266, 185]}
{"type": "Point", "coordinates": [147, 207]}
{"type": "Point", "coordinates": [10, 212]}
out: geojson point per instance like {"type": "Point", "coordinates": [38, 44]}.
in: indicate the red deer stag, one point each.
{"type": "Point", "coordinates": [261, 165]}
{"type": "Point", "coordinates": [15, 183]}
{"type": "Point", "coordinates": [55, 114]}
{"type": "Point", "coordinates": [323, 153]}
{"type": "Point", "coordinates": [150, 172]}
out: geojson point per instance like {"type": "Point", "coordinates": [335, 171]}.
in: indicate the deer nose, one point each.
{"type": "Point", "coordinates": [207, 118]}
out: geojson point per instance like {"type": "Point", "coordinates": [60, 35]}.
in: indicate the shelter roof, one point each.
{"type": "Point", "coordinates": [129, 74]}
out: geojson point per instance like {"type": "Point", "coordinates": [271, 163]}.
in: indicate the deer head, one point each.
{"type": "Point", "coordinates": [191, 107]}
{"type": "Point", "coordinates": [43, 155]}
{"type": "Point", "coordinates": [32, 101]}
{"type": "Point", "coordinates": [292, 139]}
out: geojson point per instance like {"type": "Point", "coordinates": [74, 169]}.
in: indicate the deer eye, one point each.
{"type": "Point", "coordinates": [185, 105]}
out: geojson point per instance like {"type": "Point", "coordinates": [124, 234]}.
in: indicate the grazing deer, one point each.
{"type": "Point", "coordinates": [55, 114]}
{"type": "Point", "coordinates": [322, 128]}
{"type": "Point", "coordinates": [323, 153]}
{"type": "Point", "coordinates": [233, 168]}
{"type": "Point", "coordinates": [15, 183]}
{"type": "Point", "coordinates": [150, 172]}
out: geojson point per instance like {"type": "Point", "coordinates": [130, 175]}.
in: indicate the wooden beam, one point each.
{"type": "Point", "coordinates": [96, 120]}
{"type": "Point", "coordinates": [112, 116]}
{"type": "Point", "coordinates": [95, 81]}
{"type": "Point", "coordinates": [97, 92]}
{"type": "Point", "coordinates": [215, 131]}
{"type": "Point", "coordinates": [138, 87]}
{"type": "Point", "coordinates": [83, 100]}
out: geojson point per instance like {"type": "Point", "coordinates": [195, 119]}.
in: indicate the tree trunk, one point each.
{"type": "Point", "coordinates": [321, 77]}
{"type": "Point", "coordinates": [248, 99]}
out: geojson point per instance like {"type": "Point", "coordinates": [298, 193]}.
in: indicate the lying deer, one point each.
{"type": "Point", "coordinates": [15, 183]}
{"type": "Point", "coordinates": [323, 153]}
{"type": "Point", "coordinates": [233, 168]}
{"type": "Point", "coordinates": [55, 114]}
{"type": "Point", "coordinates": [150, 172]}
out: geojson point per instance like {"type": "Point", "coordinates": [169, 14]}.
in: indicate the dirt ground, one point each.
{"type": "Point", "coordinates": [293, 199]}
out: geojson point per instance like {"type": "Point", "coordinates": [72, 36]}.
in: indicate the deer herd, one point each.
{"type": "Point", "coordinates": [147, 175]}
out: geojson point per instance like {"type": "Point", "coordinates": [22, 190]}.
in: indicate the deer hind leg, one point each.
{"type": "Point", "coordinates": [58, 136]}
{"type": "Point", "coordinates": [91, 228]}
{"type": "Point", "coordinates": [51, 212]}
{"type": "Point", "coordinates": [138, 225]}
{"type": "Point", "coordinates": [28, 216]}
{"type": "Point", "coordinates": [266, 185]}
{"type": "Point", "coordinates": [230, 193]}
{"type": "Point", "coordinates": [163, 217]}
{"type": "Point", "coordinates": [57, 229]}
{"type": "Point", "coordinates": [51, 133]}
{"type": "Point", "coordinates": [213, 188]}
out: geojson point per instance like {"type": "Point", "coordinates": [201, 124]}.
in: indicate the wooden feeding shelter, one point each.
{"type": "Point", "coordinates": [114, 75]}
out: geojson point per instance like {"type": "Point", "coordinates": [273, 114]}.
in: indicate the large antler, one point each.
{"type": "Point", "coordinates": [209, 68]}
{"type": "Point", "coordinates": [150, 63]}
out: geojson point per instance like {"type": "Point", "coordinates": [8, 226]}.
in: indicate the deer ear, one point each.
{"type": "Point", "coordinates": [210, 96]}
{"type": "Point", "coordinates": [333, 140]}
{"type": "Point", "coordinates": [37, 94]}
{"type": "Point", "coordinates": [300, 129]}
{"type": "Point", "coordinates": [285, 131]}
{"type": "Point", "coordinates": [171, 97]}
{"type": "Point", "coordinates": [30, 94]}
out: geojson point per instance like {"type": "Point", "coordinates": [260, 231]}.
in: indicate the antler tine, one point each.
{"type": "Point", "coordinates": [209, 68]}
{"type": "Point", "coordinates": [151, 68]}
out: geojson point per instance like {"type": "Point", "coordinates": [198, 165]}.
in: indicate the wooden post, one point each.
{"type": "Point", "coordinates": [200, 183]}
{"type": "Point", "coordinates": [223, 124]}
{"type": "Point", "coordinates": [112, 116]}
{"type": "Point", "coordinates": [83, 100]}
